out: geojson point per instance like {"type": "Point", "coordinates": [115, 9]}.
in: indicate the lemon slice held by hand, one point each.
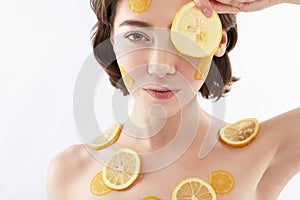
{"type": "Point", "coordinates": [195, 35]}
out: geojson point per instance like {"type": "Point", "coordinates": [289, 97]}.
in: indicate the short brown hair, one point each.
{"type": "Point", "coordinates": [216, 83]}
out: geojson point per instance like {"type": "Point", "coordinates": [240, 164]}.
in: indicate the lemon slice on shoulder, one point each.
{"type": "Point", "coordinates": [222, 181]}
{"type": "Point", "coordinates": [193, 34]}
{"type": "Point", "coordinates": [240, 133]}
{"type": "Point", "coordinates": [193, 188]}
{"type": "Point", "coordinates": [107, 138]}
{"type": "Point", "coordinates": [122, 169]}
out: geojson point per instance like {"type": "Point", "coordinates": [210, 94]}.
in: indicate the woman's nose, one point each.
{"type": "Point", "coordinates": [161, 63]}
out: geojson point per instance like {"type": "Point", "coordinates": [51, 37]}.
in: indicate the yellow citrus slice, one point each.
{"type": "Point", "coordinates": [98, 187]}
{"type": "Point", "coordinates": [139, 6]}
{"type": "Point", "coordinates": [193, 188]}
{"type": "Point", "coordinates": [193, 34]}
{"type": "Point", "coordinates": [107, 138]}
{"type": "Point", "coordinates": [121, 169]}
{"type": "Point", "coordinates": [128, 81]}
{"type": "Point", "coordinates": [151, 198]}
{"type": "Point", "coordinates": [240, 133]}
{"type": "Point", "coordinates": [222, 181]}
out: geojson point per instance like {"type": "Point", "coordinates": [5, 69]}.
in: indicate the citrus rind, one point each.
{"type": "Point", "coordinates": [107, 138]}
{"type": "Point", "coordinates": [194, 188]}
{"type": "Point", "coordinates": [195, 35]}
{"type": "Point", "coordinates": [222, 181]}
{"type": "Point", "coordinates": [98, 187]}
{"type": "Point", "coordinates": [121, 169]}
{"type": "Point", "coordinates": [240, 133]}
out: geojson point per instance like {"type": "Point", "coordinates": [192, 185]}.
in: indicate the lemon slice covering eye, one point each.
{"type": "Point", "coordinates": [193, 188]}
{"type": "Point", "coordinates": [193, 34]}
{"type": "Point", "coordinates": [240, 133]}
{"type": "Point", "coordinates": [121, 169]}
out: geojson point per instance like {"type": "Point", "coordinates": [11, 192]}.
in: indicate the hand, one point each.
{"type": "Point", "coordinates": [233, 6]}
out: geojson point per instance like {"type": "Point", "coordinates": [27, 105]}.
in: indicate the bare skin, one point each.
{"type": "Point", "coordinates": [236, 6]}
{"type": "Point", "coordinates": [261, 169]}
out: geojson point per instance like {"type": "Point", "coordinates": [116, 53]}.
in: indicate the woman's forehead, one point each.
{"type": "Point", "coordinates": [160, 13]}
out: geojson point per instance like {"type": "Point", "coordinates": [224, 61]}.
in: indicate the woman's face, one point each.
{"type": "Point", "coordinates": [156, 72]}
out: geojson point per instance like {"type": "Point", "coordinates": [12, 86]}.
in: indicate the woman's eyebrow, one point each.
{"type": "Point", "coordinates": [137, 24]}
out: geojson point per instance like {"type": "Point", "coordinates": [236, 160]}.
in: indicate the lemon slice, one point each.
{"type": "Point", "coordinates": [108, 137]}
{"type": "Point", "coordinates": [193, 34]}
{"type": "Point", "coordinates": [128, 81]}
{"type": "Point", "coordinates": [222, 181]}
{"type": "Point", "coordinates": [193, 188]}
{"type": "Point", "coordinates": [98, 187]}
{"type": "Point", "coordinates": [121, 169]}
{"type": "Point", "coordinates": [139, 6]}
{"type": "Point", "coordinates": [240, 133]}
{"type": "Point", "coordinates": [151, 198]}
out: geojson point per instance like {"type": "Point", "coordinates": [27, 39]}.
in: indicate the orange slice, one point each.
{"type": "Point", "coordinates": [139, 6]}
{"type": "Point", "coordinates": [222, 181]}
{"type": "Point", "coordinates": [240, 133]}
{"type": "Point", "coordinates": [108, 137]}
{"type": "Point", "coordinates": [98, 187]}
{"type": "Point", "coordinates": [193, 34]}
{"type": "Point", "coordinates": [151, 198]}
{"type": "Point", "coordinates": [193, 188]}
{"type": "Point", "coordinates": [121, 169]}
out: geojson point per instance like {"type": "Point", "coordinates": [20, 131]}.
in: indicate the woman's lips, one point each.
{"type": "Point", "coordinates": [161, 93]}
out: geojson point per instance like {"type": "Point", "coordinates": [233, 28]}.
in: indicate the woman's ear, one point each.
{"type": "Point", "coordinates": [223, 45]}
{"type": "Point", "coordinates": [111, 37]}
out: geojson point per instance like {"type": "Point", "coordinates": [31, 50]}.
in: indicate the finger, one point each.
{"type": "Point", "coordinates": [241, 5]}
{"type": "Point", "coordinates": [234, 3]}
{"type": "Point", "coordinates": [205, 7]}
{"type": "Point", "coordinates": [244, 1]}
{"type": "Point", "coordinates": [223, 8]}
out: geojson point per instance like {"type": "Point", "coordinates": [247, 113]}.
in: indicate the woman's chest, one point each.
{"type": "Point", "coordinates": [231, 177]}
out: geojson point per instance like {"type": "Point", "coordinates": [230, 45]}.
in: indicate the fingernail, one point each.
{"type": "Point", "coordinates": [206, 12]}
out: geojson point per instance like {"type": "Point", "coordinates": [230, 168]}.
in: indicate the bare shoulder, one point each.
{"type": "Point", "coordinates": [282, 135]}
{"type": "Point", "coordinates": [291, 117]}
{"type": "Point", "coordinates": [64, 170]}
{"type": "Point", "coordinates": [284, 128]}
{"type": "Point", "coordinates": [74, 156]}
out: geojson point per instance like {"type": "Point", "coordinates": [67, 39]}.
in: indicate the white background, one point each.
{"type": "Point", "coordinates": [43, 45]}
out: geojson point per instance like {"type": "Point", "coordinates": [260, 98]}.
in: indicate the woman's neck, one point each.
{"type": "Point", "coordinates": [152, 131]}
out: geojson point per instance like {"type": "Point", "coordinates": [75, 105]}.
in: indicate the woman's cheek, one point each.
{"type": "Point", "coordinates": [128, 65]}
{"type": "Point", "coordinates": [202, 68]}
{"type": "Point", "coordinates": [128, 81]}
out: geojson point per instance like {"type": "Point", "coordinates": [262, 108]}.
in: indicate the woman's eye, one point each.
{"type": "Point", "coordinates": [137, 37]}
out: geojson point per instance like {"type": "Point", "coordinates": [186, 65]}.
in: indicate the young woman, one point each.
{"type": "Point", "coordinates": [164, 88]}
